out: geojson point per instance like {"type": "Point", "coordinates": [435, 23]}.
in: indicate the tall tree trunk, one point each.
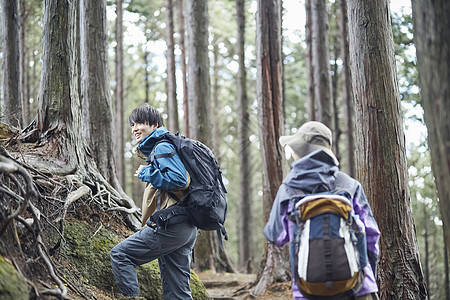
{"type": "Point", "coordinates": [432, 40]}
{"type": "Point", "coordinates": [183, 66]}
{"type": "Point", "coordinates": [446, 276]}
{"type": "Point", "coordinates": [334, 99]}
{"type": "Point", "coordinates": [270, 116]}
{"type": "Point", "coordinates": [245, 203]}
{"type": "Point", "coordinates": [172, 103]}
{"type": "Point", "coordinates": [23, 71]}
{"type": "Point", "coordinates": [59, 91]}
{"type": "Point", "coordinates": [34, 78]}
{"type": "Point", "coordinates": [198, 70]}
{"type": "Point", "coordinates": [11, 88]}
{"type": "Point", "coordinates": [309, 64]}
{"type": "Point", "coordinates": [199, 98]}
{"type": "Point", "coordinates": [321, 66]}
{"type": "Point", "coordinates": [215, 101]}
{"type": "Point", "coordinates": [78, 46]}
{"type": "Point", "coordinates": [119, 136]}
{"type": "Point", "coordinates": [347, 90]}
{"type": "Point", "coordinates": [427, 252]}
{"type": "Point", "coordinates": [59, 113]}
{"type": "Point", "coordinates": [146, 75]}
{"type": "Point", "coordinates": [217, 257]}
{"type": "Point", "coordinates": [381, 147]}
{"type": "Point", "coordinates": [96, 99]}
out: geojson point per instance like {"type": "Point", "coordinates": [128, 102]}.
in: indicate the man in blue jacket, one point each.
{"type": "Point", "coordinates": [315, 168]}
{"type": "Point", "coordinates": [171, 245]}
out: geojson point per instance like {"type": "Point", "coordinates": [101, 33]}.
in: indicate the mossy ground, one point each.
{"type": "Point", "coordinates": [80, 258]}
{"type": "Point", "coordinates": [87, 250]}
{"type": "Point", "coordinates": [13, 286]}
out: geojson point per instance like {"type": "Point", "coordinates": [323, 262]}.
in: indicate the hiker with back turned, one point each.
{"type": "Point", "coordinates": [172, 245]}
{"type": "Point", "coordinates": [324, 214]}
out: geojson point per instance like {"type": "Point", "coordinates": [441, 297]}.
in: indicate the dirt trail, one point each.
{"type": "Point", "coordinates": [230, 286]}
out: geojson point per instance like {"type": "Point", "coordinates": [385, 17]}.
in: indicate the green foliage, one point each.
{"type": "Point", "coordinates": [223, 28]}
{"type": "Point", "coordinates": [427, 219]}
{"type": "Point", "coordinates": [405, 57]}
{"type": "Point", "coordinates": [149, 11]}
{"type": "Point", "coordinates": [295, 79]}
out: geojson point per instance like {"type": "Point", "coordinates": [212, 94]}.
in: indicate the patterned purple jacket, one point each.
{"type": "Point", "coordinates": [313, 170]}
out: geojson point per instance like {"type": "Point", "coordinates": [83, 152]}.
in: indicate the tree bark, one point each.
{"type": "Point", "coordinates": [347, 90]}
{"type": "Point", "coordinates": [11, 88]}
{"type": "Point", "coordinates": [321, 66]}
{"type": "Point", "coordinates": [270, 116]}
{"type": "Point", "coordinates": [23, 65]}
{"type": "Point", "coordinates": [217, 257]}
{"type": "Point", "coordinates": [427, 252]}
{"type": "Point", "coordinates": [215, 101]}
{"type": "Point", "coordinates": [337, 132]}
{"type": "Point", "coordinates": [172, 103]}
{"type": "Point", "coordinates": [381, 147]}
{"type": "Point", "coordinates": [96, 99]}
{"type": "Point", "coordinates": [309, 64]}
{"type": "Point", "coordinates": [183, 66]}
{"type": "Point", "coordinates": [432, 41]}
{"type": "Point", "coordinates": [146, 75]}
{"type": "Point", "coordinates": [198, 70]}
{"type": "Point", "coordinates": [245, 203]}
{"type": "Point", "coordinates": [59, 90]}
{"type": "Point", "coordinates": [119, 136]}
{"type": "Point", "coordinates": [199, 99]}
{"type": "Point", "coordinates": [446, 276]}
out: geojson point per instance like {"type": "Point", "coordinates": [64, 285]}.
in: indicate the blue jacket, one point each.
{"type": "Point", "coordinates": [166, 173]}
{"type": "Point", "coordinates": [306, 174]}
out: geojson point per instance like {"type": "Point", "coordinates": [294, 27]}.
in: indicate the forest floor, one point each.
{"type": "Point", "coordinates": [231, 286]}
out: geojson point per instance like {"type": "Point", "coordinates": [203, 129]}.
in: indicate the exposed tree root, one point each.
{"type": "Point", "coordinates": [274, 271]}
{"type": "Point", "coordinates": [33, 202]}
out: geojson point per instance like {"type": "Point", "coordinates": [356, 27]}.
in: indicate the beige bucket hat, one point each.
{"type": "Point", "coordinates": [310, 137]}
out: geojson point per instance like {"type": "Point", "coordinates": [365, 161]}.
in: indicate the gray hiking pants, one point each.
{"type": "Point", "coordinates": [172, 248]}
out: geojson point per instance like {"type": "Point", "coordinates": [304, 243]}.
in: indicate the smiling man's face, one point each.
{"type": "Point", "coordinates": [141, 130]}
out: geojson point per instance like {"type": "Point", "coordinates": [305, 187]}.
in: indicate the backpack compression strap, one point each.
{"type": "Point", "coordinates": [150, 159]}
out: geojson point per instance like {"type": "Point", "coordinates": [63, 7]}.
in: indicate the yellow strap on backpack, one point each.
{"type": "Point", "coordinates": [314, 205]}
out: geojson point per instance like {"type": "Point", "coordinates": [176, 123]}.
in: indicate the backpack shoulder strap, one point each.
{"type": "Point", "coordinates": [151, 158]}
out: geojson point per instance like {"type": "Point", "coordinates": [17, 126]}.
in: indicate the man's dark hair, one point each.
{"type": "Point", "coordinates": [146, 114]}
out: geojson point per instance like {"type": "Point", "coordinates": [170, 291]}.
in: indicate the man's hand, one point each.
{"type": "Point", "coordinates": [139, 170]}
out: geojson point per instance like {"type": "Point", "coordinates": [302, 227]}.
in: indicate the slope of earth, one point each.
{"type": "Point", "coordinates": [230, 286]}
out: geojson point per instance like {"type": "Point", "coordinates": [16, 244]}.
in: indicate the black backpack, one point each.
{"type": "Point", "coordinates": [205, 202]}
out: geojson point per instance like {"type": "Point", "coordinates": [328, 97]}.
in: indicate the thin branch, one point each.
{"type": "Point", "coordinates": [100, 227]}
